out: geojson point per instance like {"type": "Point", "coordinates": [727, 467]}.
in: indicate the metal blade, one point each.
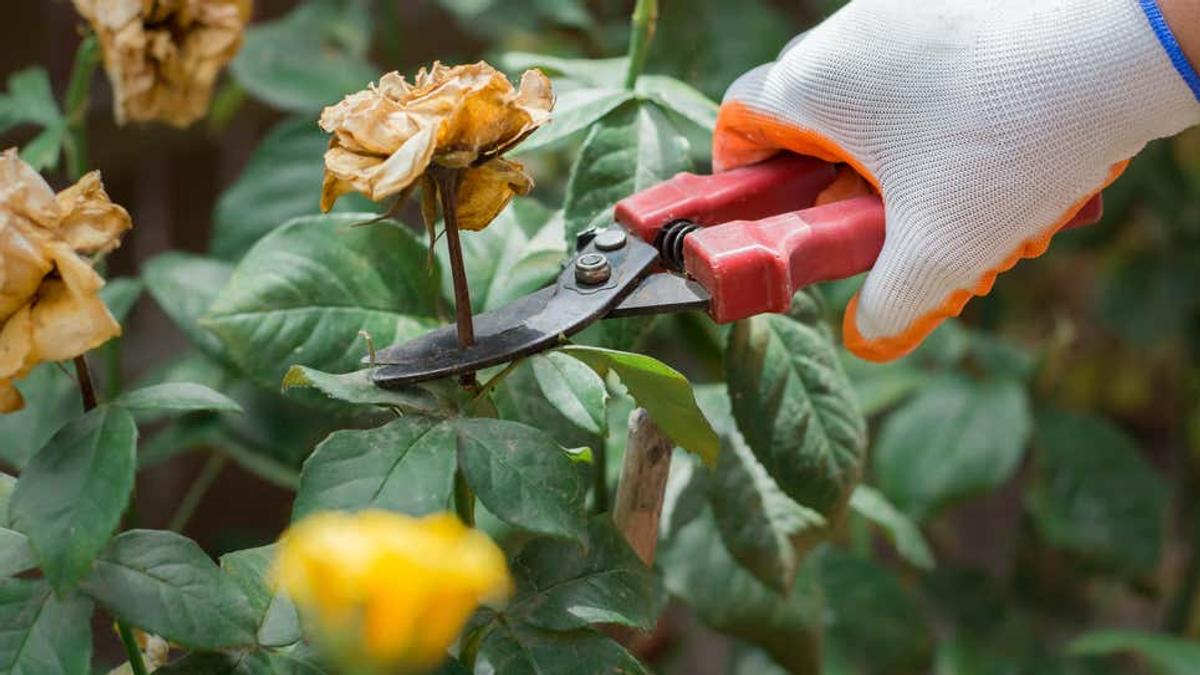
{"type": "Point", "coordinates": [660, 294]}
{"type": "Point", "coordinates": [534, 323]}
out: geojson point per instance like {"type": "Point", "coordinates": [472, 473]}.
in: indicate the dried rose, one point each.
{"type": "Point", "coordinates": [386, 137]}
{"type": "Point", "coordinates": [50, 309]}
{"type": "Point", "coordinates": [163, 56]}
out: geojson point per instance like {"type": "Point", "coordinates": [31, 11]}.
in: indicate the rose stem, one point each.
{"type": "Point", "coordinates": [447, 182]}
{"type": "Point", "coordinates": [87, 392]}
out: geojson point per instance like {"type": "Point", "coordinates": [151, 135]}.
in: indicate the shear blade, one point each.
{"type": "Point", "coordinates": [532, 324]}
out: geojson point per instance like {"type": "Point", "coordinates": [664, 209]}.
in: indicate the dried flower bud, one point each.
{"type": "Point", "coordinates": [50, 309]}
{"type": "Point", "coordinates": [465, 117]}
{"type": "Point", "coordinates": [163, 56]}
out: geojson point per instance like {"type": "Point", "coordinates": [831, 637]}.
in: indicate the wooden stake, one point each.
{"type": "Point", "coordinates": [643, 485]}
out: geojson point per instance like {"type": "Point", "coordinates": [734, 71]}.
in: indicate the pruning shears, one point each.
{"type": "Point", "coordinates": [734, 245]}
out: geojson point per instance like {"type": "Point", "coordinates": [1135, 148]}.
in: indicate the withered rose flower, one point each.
{"type": "Point", "coordinates": [50, 309]}
{"type": "Point", "coordinates": [386, 137]}
{"type": "Point", "coordinates": [163, 56]}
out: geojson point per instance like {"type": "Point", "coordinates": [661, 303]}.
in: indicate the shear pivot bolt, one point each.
{"type": "Point", "coordinates": [611, 239]}
{"type": "Point", "coordinates": [592, 269]}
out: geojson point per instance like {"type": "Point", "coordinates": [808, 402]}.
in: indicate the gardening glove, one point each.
{"type": "Point", "coordinates": [986, 125]}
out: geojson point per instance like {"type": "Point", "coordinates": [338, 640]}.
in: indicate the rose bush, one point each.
{"type": "Point", "coordinates": [820, 515]}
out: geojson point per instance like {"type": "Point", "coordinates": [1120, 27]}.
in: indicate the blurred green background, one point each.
{"type": "Point", "coordinates": [1048, 443]}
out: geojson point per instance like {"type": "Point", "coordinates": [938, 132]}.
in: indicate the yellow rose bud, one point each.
{"type": "Point", "coordinates": [163, 56]}
{"type": "Point", "coordinates": [50, 309]}
{"type": "Point", "coordinates": [465, 117]}
{"type": "Point", "coordinates": [385, 592]}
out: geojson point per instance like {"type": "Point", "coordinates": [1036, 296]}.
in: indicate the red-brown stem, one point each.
{"type": "Point", "coordinates": [448, 180]}
{"type": "Point", "coordinates": [87, 390]}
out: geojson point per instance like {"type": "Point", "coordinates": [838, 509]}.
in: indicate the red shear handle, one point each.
{"type": "Point", "coordinates": [782, 184]}
{"type": "Point", "coordinates": [753, 267]}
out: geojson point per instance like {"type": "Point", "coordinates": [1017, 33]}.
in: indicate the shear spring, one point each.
{"type": "Point", "coordinates": [670, 242]}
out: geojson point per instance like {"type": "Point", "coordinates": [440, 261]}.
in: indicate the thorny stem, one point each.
{"type": "Point", "coordinates": [643, 21]}
{"type": "Point", "coordinates": [88, 392]}
{"type": "Point", "coordinates": [136, 664]}
{"type": "Point", "coordinates": [87, 57]}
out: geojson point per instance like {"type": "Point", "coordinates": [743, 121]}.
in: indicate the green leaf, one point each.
{"type": "Point", "coordinates": [304, 293]}
{"type": "Point", "coordinates": [603, 73]}
{"type": "Point", "coordinates": [278, 621]}
{"type": "Point", "coordinates": [520, 398]}
{"type": "Point", "coordinates": [16, 555]}
{"type": "Point", "coordinates": [956, 439]}
{"type": "Point", "coordinates": [30, 99]}
{"type": "Point", "coordinates": [520, 252]}
{"type": "Point", "coordinates": [309, 58]}
{"type": "Point", "coordinates": [281, 181]}
{"type": "Point", "coordinates": [1168, 654]}
{"type": "Point", "coordinates": [1094, 496]}
{"type": "Point", "coordinates": [43, 151]}
{"type": "Point", "coordinates": [698, 570]}
{"type": "Point", "coordinates": [563, 585]}
{"type": "Point", "coordinates": [406, 465]}
{"type": "Point", "coordinates": [51, 400]}
{"type": "Point", "coordinates": [7, 485]}
{"type": "Point", "coordinates": [165, 584]}
{"type": "Point", "coordinates": [121, 295]}
{"type": "Point", "coordinates": [573, 388]}
{"type": "Point", "coordinates": [514, 649]}
{"type": "Point", "coordinates": [521, 475]}
{"type": "Point", "coordinates": [357, 388]}
{"type": "Point", "coordinates": [184, 286]}
{"type": "Point", "coordinates": [875, 623]}
{"type": "Point", "coordinates": [42, 634]}
{"type": "Point", "coordinates": [631, 149]}
{"type": "Point", "coordinates": [767, 532]}
{"type": "Point", "coordinates": [178, 397]}
{"type": "Point", "coordinates": [575, 111]}
{"type": "Point", "coordinates": [795, 407]}
{"type": "Point", "coordinates": [869, 503]}
{"type": "Point", "coordinates": [680, 98]}
{"type": "Point", "coordinates": [662, 391]}
{"type": "Point", "coordinates": [71, 495]}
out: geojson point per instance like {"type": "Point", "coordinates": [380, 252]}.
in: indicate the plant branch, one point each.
{"type": "Point", "coordinates": [136, 664]}
{"type": "Point", "coordinates": [643, 22]}
{"type": "Point", "coordinates": [87, 391]}
{"type": "Point", "coordinates": [195, 494]}
{"type": "Point", "coordinates": [464, 498]}
{"type": "Point", "coordinates": [87, 57]}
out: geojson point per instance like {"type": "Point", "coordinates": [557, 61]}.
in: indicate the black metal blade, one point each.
{"type": "Point", "coordinates": [660, 294]}
{"type": "Point", "coordinates": [526, 326]}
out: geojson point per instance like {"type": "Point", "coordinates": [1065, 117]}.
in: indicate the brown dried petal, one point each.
{"type": "Point", "coordinates": [486, 189]}
{"type": "Point", "coordinates": [91, 222]}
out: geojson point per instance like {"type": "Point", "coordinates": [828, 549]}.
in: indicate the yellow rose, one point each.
{"type": "Point", "coordinates": [163, 56]}
{"type": "Point", "coordinates": [465, 117]}
{"type": "Point", "coordinates": [383, 592]}
{"type": "Point", "coordinates": [49, 307]}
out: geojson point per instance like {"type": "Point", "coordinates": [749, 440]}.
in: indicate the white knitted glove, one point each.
{"type": "Point", "coordinates": [985, 124]}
